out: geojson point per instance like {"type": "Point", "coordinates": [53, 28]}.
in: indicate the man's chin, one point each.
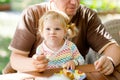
{"type": "Point", "coordinates": [71, 12]}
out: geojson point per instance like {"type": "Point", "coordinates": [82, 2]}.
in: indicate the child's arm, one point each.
{"type": "Point", "coordinates": [77, 57]}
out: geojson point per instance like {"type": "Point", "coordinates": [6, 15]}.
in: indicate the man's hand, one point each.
{"type": "Point", "coordinates": [40, 62]}
{"type": "Point", "coordinates": [104, 65]}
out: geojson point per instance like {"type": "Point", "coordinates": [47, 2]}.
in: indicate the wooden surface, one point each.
{"type": "Point", "coordinates": [90, 71]}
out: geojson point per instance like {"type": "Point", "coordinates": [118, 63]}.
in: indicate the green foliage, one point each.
{"type": "Point", "coordinates": [8, 24]}
{"type": "Point", "coordinates": [100, 5]}
{"type": "Point", "coordinates": [4, 56]}
{"type": "Point", "coordinates": [4, 1]}
{"type": "Point", "coordinates": [19, 5]}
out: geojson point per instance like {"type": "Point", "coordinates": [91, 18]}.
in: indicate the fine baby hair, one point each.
{"type": "Point", "coordinates": [63, 19]}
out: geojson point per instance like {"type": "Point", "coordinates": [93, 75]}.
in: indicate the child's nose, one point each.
{"type": "Point", "coordinates": [52, 31]}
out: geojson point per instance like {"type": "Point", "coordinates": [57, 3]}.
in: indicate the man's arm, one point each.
{"type": "Point", "coordinates": [113, 51]}
{"type": "Point", "coordinates": [111, 58]}
{"type": "Point", "coordinates": [21, 63]}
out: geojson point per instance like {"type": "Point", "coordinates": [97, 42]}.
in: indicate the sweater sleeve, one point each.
{"type": "Point", "coordinates": [77, 57]}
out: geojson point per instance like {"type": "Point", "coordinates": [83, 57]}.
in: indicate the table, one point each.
{"type": "Point", "coordinates": [89, 69]}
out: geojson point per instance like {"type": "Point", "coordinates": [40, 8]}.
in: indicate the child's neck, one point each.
{"type": "Point", "coordinates": [55, 46]}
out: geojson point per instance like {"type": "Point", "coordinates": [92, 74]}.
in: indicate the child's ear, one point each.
{"type": "Point", "coordinates": [66, 32]}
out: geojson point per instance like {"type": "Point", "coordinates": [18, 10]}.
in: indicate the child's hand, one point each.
{"type": "Point", "coordinates": [69, 65]}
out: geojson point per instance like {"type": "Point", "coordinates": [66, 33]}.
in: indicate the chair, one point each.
{"type": "Point", "coordinates": [113, 27]}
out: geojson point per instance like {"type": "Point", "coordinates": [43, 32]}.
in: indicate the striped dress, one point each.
{"type": "Point", "coordinates": [66, 53]}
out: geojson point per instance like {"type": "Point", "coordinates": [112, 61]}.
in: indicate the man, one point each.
{"type": "Point", "coordinates": [91, 34]}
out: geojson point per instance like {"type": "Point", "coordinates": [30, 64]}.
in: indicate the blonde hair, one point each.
{"type": "Point", "coordinates": [64, 21]}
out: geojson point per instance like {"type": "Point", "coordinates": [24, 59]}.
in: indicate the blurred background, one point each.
{"type": "Point", "coordinates": [10, 11]}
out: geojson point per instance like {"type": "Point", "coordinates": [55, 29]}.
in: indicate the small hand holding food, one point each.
{"type": "Point", "coordinates": [69, 65]}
